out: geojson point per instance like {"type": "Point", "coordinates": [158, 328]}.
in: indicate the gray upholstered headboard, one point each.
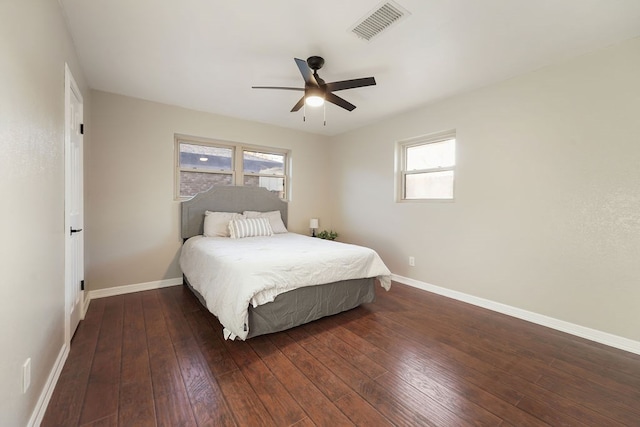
{"type": "Point", "coordinates": [228, 199]}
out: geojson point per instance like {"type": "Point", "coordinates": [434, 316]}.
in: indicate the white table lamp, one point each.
{"type": "Point", "coordinates": [313, 225]}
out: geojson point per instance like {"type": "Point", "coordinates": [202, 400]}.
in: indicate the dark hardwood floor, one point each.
{"type": "Point", "coordinates": [157, 358]}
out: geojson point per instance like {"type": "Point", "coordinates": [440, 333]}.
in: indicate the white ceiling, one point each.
{"type": "Point", "coordinates": [206, 54]}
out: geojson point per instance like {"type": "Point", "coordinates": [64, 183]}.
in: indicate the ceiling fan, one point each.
{"type": "Point", "coordinates": [316, 91]}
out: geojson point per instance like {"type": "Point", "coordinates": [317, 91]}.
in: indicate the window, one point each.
{"type": "Point", "coordinates": [263, 169]}
{"type": "Point", "coordinates": [202, 166]}
{"type": "Point", "coordinates": [202, 163]}
{"type": "Point", "coordinates": [426, 167]}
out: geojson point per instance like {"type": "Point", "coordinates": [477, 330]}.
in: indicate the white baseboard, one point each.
{"type": "Point", "coordinates": [85, 304]}
{"type": "Point", "coordinates": [138, 287]}
{"type": "Point", "coordinates": [49, 386]}
{"type": "Point", "coordinates": [540, 319]}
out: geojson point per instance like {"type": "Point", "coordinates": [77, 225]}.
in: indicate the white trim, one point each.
{"type": "Point", "coordinates": [540, 319]}
{"type": "Point", "coordinates": [85, 304]}
{"type": "Point", "coordinates": [49, 386]}
{"type": "Point", "coordinates": [138, 287]}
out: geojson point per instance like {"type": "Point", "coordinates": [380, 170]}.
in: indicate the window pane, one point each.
{"type": "Point", "coordinates": [430, 156]}
{"type": "Point", "coordinates": [256, 162]}
{"type": "Point", "coordinates": [273, 184]}
{"type": "Point", "coordinates": [204, 157]}
{"type": "Point", "coordinates": [192, 183]}
{"type": "Point", "coordinates": [432, 185]}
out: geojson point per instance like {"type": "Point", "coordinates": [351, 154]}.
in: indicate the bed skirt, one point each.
{"type": "Point", "coordinates": [305, 304]}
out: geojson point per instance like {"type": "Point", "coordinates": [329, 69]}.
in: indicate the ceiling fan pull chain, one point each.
{"type": "Point", "coordinates": [325, 113]}
{"type": "Point", "coordinates": [304, 112]}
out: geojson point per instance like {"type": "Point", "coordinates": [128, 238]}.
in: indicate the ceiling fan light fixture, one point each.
{"type": "Point", "coordinates": [314, 100]}
{"type": "Point", "coordinates": [314, 96]}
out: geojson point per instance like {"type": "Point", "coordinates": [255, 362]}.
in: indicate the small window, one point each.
{"type": "Point", "coordinates": [202, 164]}
{"type": "Point", "coordinates": [426, 169]}
{"type": "Point", "coordinates": [261, 169]}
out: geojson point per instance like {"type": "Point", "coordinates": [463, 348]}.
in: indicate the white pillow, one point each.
{"type": "Point", "coordinates": [216, 224]}
{"type": "Point", "coordinates": [250, 227]}
{"type": "Point", "coordinates": [274, 217]}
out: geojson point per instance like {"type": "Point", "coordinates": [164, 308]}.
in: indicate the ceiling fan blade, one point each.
{"type": "Point", "coordinates": [277, 87]}
{"type": "Point", "coordinates": [334, 99]}
{"type": "Point", "coordinates": [306, 72]}
{"type": "Point", "coordinates": [298, 105]}
{"type": "Point", "coordinates": [351, 84]}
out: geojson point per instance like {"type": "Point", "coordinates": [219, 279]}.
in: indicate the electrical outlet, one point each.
{"type": "Point", "coordinates": [26, 375]}
{"type": "Point", "coordinates": [412, 261]}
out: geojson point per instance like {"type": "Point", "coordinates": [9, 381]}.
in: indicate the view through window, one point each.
{"type": "Point", "coordinates": [202, 164]}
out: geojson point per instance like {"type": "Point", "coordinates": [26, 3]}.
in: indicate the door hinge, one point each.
{"type": "Point", "coordinates": [82, 285]}
{"type": "Point", "coordinates": [81, 128]}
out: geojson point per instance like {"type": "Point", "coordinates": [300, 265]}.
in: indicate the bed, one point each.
{"type": "Point", "coordinates": [268, 283]}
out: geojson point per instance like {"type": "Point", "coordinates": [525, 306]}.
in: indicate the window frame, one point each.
{"type": "Point", "coordinates": [402, 148]}
{"type": "Point", "coordinates": [264, 150]}
{"type": "Point", "coordinates": [237, 166]}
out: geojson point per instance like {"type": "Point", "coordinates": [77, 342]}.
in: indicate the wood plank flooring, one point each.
{"type": "Point", "coordinates": [412, 358]}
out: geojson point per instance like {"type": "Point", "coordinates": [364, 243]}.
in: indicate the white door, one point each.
{"type": "Point", "coordinates": [73, 206]}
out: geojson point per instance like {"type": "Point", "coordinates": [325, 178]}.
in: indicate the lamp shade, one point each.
{"type": "Point", "coordinates": [313, 223]}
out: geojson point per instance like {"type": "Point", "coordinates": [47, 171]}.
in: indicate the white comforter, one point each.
{"type": "Point", "coordinates": [232, 273]}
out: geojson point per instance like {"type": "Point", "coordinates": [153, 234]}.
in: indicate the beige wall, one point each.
{"type": "Point", "coordinates": [547, 209]}
{"type": "Point", "coordinates": [132, 220]}
{"type": "Point", "coordinates": [35, 46]}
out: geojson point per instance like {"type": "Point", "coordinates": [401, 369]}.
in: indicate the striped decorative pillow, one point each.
{"type": "Point", "coordinates": [250, 227]}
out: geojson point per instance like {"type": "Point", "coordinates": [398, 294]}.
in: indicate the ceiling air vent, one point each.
{"type": "Point", "coordinates": [381, 18]}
